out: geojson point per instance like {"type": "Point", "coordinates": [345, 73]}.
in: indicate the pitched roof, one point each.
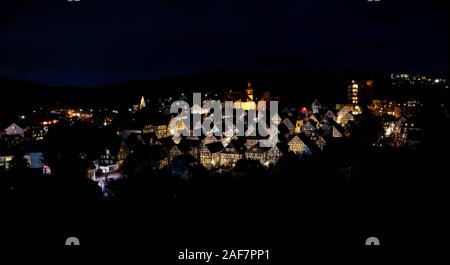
{"type": "Point", "coordinates": [215, 147]}
{"type": "Point", "coordinates": [235, 147]}
{"type": "Point", "coordinates": [255, 149]}
{"type": "Point", "coordinates": [312, 146]}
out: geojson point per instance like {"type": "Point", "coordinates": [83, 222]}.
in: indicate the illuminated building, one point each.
{"type": "Point", "coordinates": [161, 130]}
{"type": "Point", "coordinates": [316, 106]}
{"type": "Point", "coordinates": [141, 105]}
{"type": "Point", "coordinates": [308, 127]}
{"type": "Point", "coordinates": [360, 93]}
{"type": "Point", "coordinates": [14, 129]}
{"type": "Point", "coordinates": [320, 142]}
{"type": "Point", "coordinates": [255, 153]}
{"type": "Point", "coordinates": [272, 156]}
{"type": "Point", "coordinates": [74, 114]}
{"type": "Point", "coordinates": [112, 159]}
{"type": "Point", "coordinates": [332, 132]}
{"type": "Point", "coordinates": [298, 126]}
{"type": "Point", "coordinates": [231, 154]}
{"type": "Point", "coordinates": [296, 145]}
{"type": "Point", "coordinates": [401, 132]}
{"type": "Point", "coordinates": [34, 160]}
{"type": "Point", "coordinates": [174, 152]}
{"type": "Point", "coordinates": [52, 122]}
{"type": "Point", "coordinates": [289, 125]}
{"type": "Point", "coordinates": [5, 160]}
{"type": "Point", "coordinates": [251, 141]}
{"type": "Point", "coordinates": [162, 163]}
{"type": "Point", "coordinates": [353, 93]}
{"type": "Point", "coordinates": [36, 133]}
{"type": "Point", "coordinates": [248, 105]}
{"type": "Point", "coordinates": [407, 109]}
{"type": "Point", "coordinates": [249, 91]}
{"type": "Point", "coordinates": [242, 100]}
{"type": "Point", "coordinates": [384, 107]}
{"type": "Point", "coordinates": [345, 115]}
{"type": "Point", "coordinates": [46, 170]}
{"type": "Point", "coordinates": [276, 119]}
{"type": "Point", "coordinates": [210, 155]}
{"type": "Point", "coordinates": [209, 139]}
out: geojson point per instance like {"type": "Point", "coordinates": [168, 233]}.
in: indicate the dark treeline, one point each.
{"type": "Point", "coordinates": [294, 87]}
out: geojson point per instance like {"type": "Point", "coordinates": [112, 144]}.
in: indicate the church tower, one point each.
{"type": "Point", "coordinates": [140, 106]}
{"type": "Point", "coordinates": [249, 91]}
{"type": "Point", "coordinates": [142, 103]}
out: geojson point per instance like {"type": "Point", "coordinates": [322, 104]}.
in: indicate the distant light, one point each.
{"type": "Point", "coordinates": [304, 110]}
{"type": "Point", "coordinates": [437, 81]}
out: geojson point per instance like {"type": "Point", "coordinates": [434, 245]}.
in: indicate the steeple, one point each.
{"type": "Point", "coordinates": [142, 103]}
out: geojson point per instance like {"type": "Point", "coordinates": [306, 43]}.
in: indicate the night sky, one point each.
{"type": "Point", "coordinates": [96, 42]}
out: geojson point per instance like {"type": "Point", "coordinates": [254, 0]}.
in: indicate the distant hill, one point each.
{"type": "Point", "coordinates": [292, 87]}
{"type": "Point", "coordinates": [18, 94]}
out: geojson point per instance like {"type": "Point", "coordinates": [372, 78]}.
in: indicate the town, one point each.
{"type": "Point", "coordinates": [108, 145]}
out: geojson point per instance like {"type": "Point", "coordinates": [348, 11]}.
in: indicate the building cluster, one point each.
{"type": "Point", "coordinates": [400, 118]}
{"type": "Point", "coordinates": [401, 123]}
{"type": "Point", "coordinates": [301, 131]}
{"type": "Point", "coordinates": [25, 136]}
{"type": "Point", "coordinates": [400, 133]}
{"type": "Point", "coordinates": [151, 145]}
{"type": "Point", "coordinates": [16, 139]}
{"type": "Point", "coordinates": [147, 142]}
{"type": "Point", "coordinates": [404, 79]}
